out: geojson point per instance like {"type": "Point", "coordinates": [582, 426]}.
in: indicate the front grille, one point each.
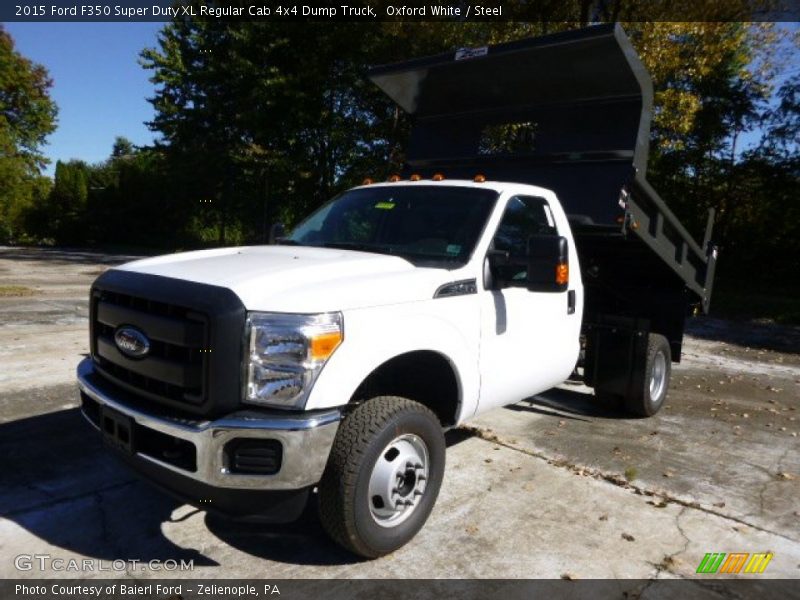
{"type": "Point", "coordinates": [195, 333]}
{"type": "Point", "coordinates": [175, 367]}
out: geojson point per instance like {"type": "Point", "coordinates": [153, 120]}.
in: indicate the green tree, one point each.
{"type": "Point", "coordinates": [782, 141]}
{"type": "Point", "coordinates": [254, 111]}
{"type": "Point", "coordinates": [27, 116]}
{"type": "Point", "coordinates": [708, 92]}
{"type": "Point", "coordinates": [765, 227]}
{"type": "Point", "coordinates": [68, 200]}
{"type": "Point", "coordinates": [122, 147]}
{"type": "Point", "coordinates": [271, 125]}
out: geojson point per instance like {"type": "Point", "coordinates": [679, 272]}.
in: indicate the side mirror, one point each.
{"type": "Point", "coordinates": [548, 263]}
{"type": "Point", "coordinates": [275, 232]}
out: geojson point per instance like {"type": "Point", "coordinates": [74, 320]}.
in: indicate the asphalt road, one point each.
{"type": "Point", "coordinates": [554, 486]}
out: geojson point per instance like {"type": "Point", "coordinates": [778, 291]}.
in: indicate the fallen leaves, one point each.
{"type": "Point", "coordinates": [669, 563]}
{"type": "Point", "coordinates": [11, 291]}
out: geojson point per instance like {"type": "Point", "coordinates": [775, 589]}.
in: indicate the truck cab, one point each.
{"type": "Point", "coordinates": [329, 363]}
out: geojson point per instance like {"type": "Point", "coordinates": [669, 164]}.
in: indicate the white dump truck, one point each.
{"type": "Point", "coordinates": [522, 245]}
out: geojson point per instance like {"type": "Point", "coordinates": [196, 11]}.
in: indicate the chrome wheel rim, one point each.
{"type": "Point", "coordinates": [398, 480]}
{"type": "Point", "coordinates": [658, 377]}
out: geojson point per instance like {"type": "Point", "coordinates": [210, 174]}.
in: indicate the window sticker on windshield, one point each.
{"type": "Point", "coordinates": [453, 248]}
{"type": "Point", "coordinates": [385, 205]}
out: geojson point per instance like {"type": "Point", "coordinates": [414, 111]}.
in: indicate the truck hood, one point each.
{"type": "Point", "coordinates": [301, 279]}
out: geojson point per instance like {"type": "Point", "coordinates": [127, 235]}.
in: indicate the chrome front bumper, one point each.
{"type": "Point", "coordinates": [306, 440]}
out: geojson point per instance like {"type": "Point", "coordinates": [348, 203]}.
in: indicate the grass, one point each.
{"type": "Point", "coordinates": [14, 291]}
{"type": "Point", "coordinates": [631, 473]}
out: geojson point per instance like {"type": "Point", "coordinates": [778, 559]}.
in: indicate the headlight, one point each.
{"type": "Point", "coordinates": [285, 355]}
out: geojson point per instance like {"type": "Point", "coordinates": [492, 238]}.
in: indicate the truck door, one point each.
{"type": "Point", "coordinates": [529, 340]}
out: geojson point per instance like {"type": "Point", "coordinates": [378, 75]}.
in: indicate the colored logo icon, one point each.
{"type": "Point", "coordinates": [719, 562]}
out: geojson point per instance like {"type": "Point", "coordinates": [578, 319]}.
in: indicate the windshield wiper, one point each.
{"type": "Point", "coordinates": [359, 246]}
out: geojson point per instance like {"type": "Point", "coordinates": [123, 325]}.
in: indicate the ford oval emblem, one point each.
{"type": "Point", "coordinates": [131, 342]}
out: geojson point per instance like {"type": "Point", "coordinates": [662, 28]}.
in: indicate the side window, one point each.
{"type": "Point", "coordinates": [524, 216]}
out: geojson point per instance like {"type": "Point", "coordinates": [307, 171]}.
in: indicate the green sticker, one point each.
{"type": "Point", "coordinates": [385, 205]}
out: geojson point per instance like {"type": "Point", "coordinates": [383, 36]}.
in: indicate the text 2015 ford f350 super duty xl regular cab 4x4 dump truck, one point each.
{"type": "Point", "coordinates": [521, 243]}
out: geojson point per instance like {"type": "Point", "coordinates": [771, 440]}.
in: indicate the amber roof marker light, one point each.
{"type": "Point", "coordinates": [437, 177]}
{"type": "Point", "coordinates": [367, 181]}
{"type": "Point", "coordinates": [479, 178]}
{"type": "Point", "coordinates": [415, 177]}
{"type": "Point", "coordinates": [394, 178]}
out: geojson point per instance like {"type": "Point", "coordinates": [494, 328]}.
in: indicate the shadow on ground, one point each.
{"type": "Point", "coordinates": [571, 405]}
{"type": "Point", "coordinates": [765, 336]}
{"type": "Point", "coordinates": [62, 486]}
{"type": "Point", "coordinates": [65, 488]}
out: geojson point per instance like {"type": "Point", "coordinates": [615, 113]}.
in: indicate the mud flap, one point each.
{"type": "Point", "coordinates": [616, 351]}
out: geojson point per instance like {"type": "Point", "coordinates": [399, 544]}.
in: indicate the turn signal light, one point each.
{"type": "Point", "coordinates": [415, 177]}
{"type": "Point", "coordinates": [367, 181]}
{"type": "Point", "coordinates": [323, 345]}
{"type": "Point", "coordinates": [394, 178]}
{"type": "Point", "coordinates": [562, 274]}
{"type": "Point", "coordinates": [438, 177]}
{"type": "Point", "coordinates": [479, 178]}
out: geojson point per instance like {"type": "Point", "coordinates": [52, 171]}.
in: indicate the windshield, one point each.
{"type": "Point", "coordinates": [433, 225]}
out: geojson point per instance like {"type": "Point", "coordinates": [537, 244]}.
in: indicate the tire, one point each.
{"type": "Point", "coordinates": [647, 400]}
{"type": "Point", "coordinates": [375, 459]}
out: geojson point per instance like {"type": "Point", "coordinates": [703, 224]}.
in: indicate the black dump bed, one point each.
{"type": "Point", "coordinates": [569, 112]}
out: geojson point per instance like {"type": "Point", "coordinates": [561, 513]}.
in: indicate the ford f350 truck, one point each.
{"type": "Point", "coordinates": [521, 245]}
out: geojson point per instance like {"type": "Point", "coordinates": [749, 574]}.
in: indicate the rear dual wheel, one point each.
{"type": "Point", "coordinates": [383, 475]}
{"type": "Point", "coordinates": [647, 397]}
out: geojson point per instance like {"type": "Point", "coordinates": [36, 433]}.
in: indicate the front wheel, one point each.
{"type": "Point", "coordinates": [383, 475]}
